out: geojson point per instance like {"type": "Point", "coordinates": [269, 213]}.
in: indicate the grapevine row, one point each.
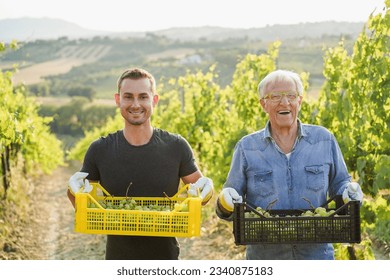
{"type": "Point", "coordinates": [26, 142]}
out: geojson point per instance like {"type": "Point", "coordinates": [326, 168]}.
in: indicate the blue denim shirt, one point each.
{"type": "Point", "coordinates": [262, 173]}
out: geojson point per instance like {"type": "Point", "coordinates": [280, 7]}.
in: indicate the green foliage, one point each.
{"type": "Point", "coordinates": [374, 170]}
{"type": "Point", "coordinates": [355, 105]}
{"type": "Point", "coordinates": [84, 91]}
{"type": "Point", "coordinates": [25, 137]}
{"type": "Point", "coordinates": [376, 217]}
{"type": "Point", "coordinates": [40, 89]}
{"type": "Point", "coordinates": [77, 117]}
{"type": "Point", "coordinates": [361, 251]}
{"type": "Point", "coordinates": [355, 102]}
{"type": "Point", "coordinates": [34, 51]}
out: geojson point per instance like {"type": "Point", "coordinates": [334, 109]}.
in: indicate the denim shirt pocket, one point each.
{"type": "Point", "coordinates": [315, 177]}
{"type": "Point", "coordinates": [264, 183]}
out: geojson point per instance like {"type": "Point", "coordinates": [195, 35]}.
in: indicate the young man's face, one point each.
{"type": "Point", "coordinates": [136, 101]}
{"type": "Point", "coordinates": [284, 113]}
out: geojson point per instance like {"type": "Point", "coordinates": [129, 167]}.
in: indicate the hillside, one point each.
{"type": "Point", "coordinates": [57, 55]}
{"type": "Point", "coordinates": [66, 58]}
{"type": "Point", "coordinates": [268, 33]}
{"type": "Point", "coordinates": [96, 61]}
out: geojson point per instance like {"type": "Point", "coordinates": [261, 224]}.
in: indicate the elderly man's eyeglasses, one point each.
{"type": "Point", "coordinates": [277, 96]}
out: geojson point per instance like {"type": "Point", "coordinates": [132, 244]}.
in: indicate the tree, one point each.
{"type": "Point", "coordinates": [41, 89]}
{"type": "Point", "coordinates": [83, 91]}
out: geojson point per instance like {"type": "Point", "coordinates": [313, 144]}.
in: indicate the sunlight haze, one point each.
{"type": "Point", "coordinates": [150, 15]}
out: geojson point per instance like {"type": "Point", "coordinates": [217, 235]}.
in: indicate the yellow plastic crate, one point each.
{"type": "Point", "coordinates": [92, 218]}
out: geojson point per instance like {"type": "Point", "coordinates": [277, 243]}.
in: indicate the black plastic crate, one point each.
{"type": "Point", "coordinates": [343, 226]}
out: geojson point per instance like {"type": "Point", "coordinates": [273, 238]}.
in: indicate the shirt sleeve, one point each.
{"type": "Point", "coordinates": [237, 178]}
{"type": "Point", "coordinates": [339, 175]}
{"type": "Point", "coordinates": [188, 164]}
{"type": "Point", "coordinates": [89, 163]}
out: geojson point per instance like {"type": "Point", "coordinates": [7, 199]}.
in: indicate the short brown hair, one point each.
{"type": "Point", "coordinates": [135, 74]}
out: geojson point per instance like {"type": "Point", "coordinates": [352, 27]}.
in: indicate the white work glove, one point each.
{"type": "Point", "coordinates": [203, 187]}
{"type": "Point", "coordinates": [77, 181]}
{"type": "Point", "coordinates": [227, 198]}
{"type": "Point", "coordinates": [352, 192]}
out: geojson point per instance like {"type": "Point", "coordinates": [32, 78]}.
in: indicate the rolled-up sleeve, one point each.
{"type": "Point", "coordinates": [339, 176]}
{"type": "Point", "coordinates": [237, 178]}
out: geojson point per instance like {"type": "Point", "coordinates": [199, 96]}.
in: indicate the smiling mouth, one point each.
{"type": "Point", "coordinates": [284, 112]}
{"type": "Point", "coordinates": [136, 113]}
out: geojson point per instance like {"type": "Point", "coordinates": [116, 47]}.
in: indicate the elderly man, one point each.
{"type": "Point", "coordinates": [284, 162]}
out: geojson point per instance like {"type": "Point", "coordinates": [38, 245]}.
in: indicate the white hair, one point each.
{"type": "Point", "coordinates": [280, 76]}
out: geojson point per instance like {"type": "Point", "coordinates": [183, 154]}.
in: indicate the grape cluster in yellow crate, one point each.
{"type": "Point", "coordinates": [131, 204]}
{"type": "Point", "coordinates": [98, 212]}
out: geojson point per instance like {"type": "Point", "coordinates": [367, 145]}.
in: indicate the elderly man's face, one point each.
{"type": "Point", "coordinates": [283, 113]}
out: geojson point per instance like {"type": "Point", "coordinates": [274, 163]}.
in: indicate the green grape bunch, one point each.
{"type": "Point", "coordinates": [131, 204]}
{"type": "Point", "coordinates": [317, 212]}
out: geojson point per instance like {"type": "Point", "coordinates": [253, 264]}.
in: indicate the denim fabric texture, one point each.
{"type": "Point", "coordinates": [262, 174]}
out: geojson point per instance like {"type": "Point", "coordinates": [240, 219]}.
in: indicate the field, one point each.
{"type": "Point", "coordinates": [176, 54]}
{"type": "Point", "coordinates": [68, 57]}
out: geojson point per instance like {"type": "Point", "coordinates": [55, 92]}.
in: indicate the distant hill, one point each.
{"type": "Point", "coordinates": [31, 29]}
{"type": "Point", "coordinates": [269, 33]}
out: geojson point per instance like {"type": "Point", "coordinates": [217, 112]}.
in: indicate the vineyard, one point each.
{"type": "Point", "coordinates": [67, 58]}
{"type": "Point", "coordinates": [353, 103]}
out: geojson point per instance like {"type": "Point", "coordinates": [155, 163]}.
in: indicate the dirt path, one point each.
{"type": "Point", "coordinates": [51, 229]}
{"type": "Point", "coordinates": [48, 233]}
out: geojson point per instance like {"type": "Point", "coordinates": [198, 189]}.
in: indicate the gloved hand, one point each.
{"type": "Point", "coordinates": [204, 186]}
{"type": "Point", "coordinates": [352, 192]}
{"type": "Point", "coordinates": [226, 199]}
{"type": "Point", "coordinates": [77, 181]}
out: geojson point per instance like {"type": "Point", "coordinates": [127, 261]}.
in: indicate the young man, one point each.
{"type": "Point", "coordinates": [152, 160]}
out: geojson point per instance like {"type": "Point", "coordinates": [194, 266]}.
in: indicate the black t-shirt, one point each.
{"type": "Point", "coordinates": [152, 169]}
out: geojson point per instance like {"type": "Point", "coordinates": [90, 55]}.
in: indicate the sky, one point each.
{"type": "Point", "coordinates": [151, 15]}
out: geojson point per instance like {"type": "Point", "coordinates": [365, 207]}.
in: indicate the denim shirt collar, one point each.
{"type": "Point", "coordinates": [301, 131]}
